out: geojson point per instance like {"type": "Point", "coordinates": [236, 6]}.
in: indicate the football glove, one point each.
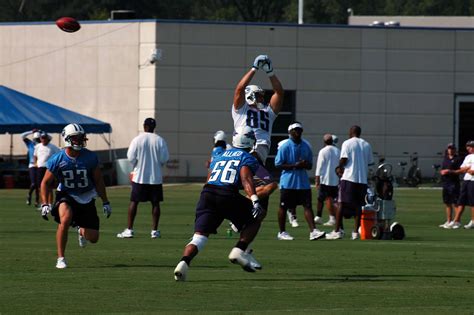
{"type": "Point", "coordinates": [257, 209]}
{"type": "Point", "coordinates": [45, 209]}
{"type": "Point", "coordinates": [107, 209]}
{"type": "Point", "coordinates": [267, 67]}
{"type": "Point", "coordinates": [258, 62]}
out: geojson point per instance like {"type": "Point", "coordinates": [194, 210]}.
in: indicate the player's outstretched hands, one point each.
{"type": "Point", "coordinates": [45, 209]}
{"type": "Point", "coordinates": [107, 209]}
{"type": "Point", "coordinates": [268, 67]}
{"type": "Point", "coordinates": [257, 209]}
{"type": "Point", "coordinates": [259, 61]}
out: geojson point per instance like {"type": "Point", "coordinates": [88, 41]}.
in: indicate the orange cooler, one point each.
{"type": "Point", "coordinates": [368, 219]}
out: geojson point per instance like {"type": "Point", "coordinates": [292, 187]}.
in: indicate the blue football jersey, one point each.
{"type": "Point", "coordinates": [217, 151]}
{"type": "Point", "coordinates": [225, 168]}
{"type": "Point", "coordinates": [75, 175]}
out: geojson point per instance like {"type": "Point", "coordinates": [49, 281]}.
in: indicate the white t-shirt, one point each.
{"type": "Point", "coordinates": [328, 160]}
{"type": "Point", "coordinates": [44, 152]}
{"type": "Point", "coordinates": [147, 152]}
{"type": "Point", "coordinates": [260, 120]}
{"type": "Point", "coordinates": [468, 161]}
{"type": "Point", "coordinates": [358, 153]}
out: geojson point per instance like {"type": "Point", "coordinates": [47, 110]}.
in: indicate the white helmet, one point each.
{"type": "Point", "coordinates": [219, 136]}
{"type": "Point", "coordinates": [244, 138]}
{"type": "Point", "coordinates": [74, 136]}
{"type": "Point", "coordinates": [251, 92]}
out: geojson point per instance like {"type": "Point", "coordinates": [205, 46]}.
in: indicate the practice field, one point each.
{"type": "Point", "coordinates": [430, 272]}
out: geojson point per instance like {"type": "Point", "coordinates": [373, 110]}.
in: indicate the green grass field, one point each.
{"type": "Point", "coordinates": [430, 272]}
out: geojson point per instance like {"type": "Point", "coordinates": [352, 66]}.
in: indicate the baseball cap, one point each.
{"type": "Point", "coordinates": [150, 122]}
{"type": "Point", "coordinates": [470, 143]}
{"type": "Point", "coordinates": [450, 146]}
{"type": "Point", "coordinates": [294, 126]}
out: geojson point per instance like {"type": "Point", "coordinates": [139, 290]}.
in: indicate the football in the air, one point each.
{"type": "Point", "coordinates": [68, 24]}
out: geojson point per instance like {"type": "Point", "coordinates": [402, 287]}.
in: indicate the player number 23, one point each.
{"type": "Point", "coordinates": [75, 178]}
{"type": "Point", "coordinates": [226, 169]}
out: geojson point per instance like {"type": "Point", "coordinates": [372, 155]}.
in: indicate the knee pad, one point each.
{"type": "Point", "coordinates": [199, 241]}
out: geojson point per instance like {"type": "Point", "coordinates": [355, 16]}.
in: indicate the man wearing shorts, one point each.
{"type": "Point", "coordinates": [80, 181]}
{"type": "Point", "coordinates": [356, 156]}
{"type": "Point", "coordinates": [220, 199]}
{"type": "Point", "coordinates": [148, 153]}
{"type": "Point", "coordinates": [295, 158]}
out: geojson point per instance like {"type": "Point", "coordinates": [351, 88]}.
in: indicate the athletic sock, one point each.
{"type": "Point", "coordinates": [186, 259]}
{"type": "Point", "coordinates": [242, 245]}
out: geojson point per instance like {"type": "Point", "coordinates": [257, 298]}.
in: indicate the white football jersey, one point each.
{"type": "Point", "coordinates": [468, 161]}
{"type": "Point", "coordinates": [260, 120]}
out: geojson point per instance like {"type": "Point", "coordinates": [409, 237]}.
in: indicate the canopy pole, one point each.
{"type": "Point", "coordinates": [11, 147]}
{"type": "Point", "coordinates": [109, 144]}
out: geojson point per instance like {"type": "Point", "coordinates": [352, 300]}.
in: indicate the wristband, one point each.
{"type": "Point", "coordinates": [254, 198]}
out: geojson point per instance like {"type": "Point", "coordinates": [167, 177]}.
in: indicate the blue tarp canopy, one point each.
{"type": "Point", "coordinates": [20, 112]}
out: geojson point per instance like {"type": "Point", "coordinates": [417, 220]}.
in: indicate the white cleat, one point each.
{"type": "Point", "coordinates": [127, 233]}
{"type": "Point", "coordinates": [445, 225]}
{"type": "Point", "coordinates": [470, 225]}
{"type": "Point", "coordinates": [318, 220]}
{"type": "Point", "coordinates": [154, 234]}
{"type": "Point", "coordinates": [316, 235]}
{"type": "Point", "coordinates": [253, 262]}
{"type": "Point", "coordinates": [238, 256]}
{"type": "Point", "coordinates": [354, 236]}
{"type": "Point", "coordinates": [61, 263]}
{"type": "Point", "coordinates": [334, 235]}
{"type": "Point", "coordinates": [81, 238]}
{"type": "Point", "coordinates": [284, 236]}
{"type": "Point", "coordinates": [294, 223]}
{"type": "Point", "coordinates": [330, 223]}
{"type": "Point", "coordinates": [455, 225]}
{"type": "Point", "coordinates": [181, 271]}
{"type": "Point", "coordinates": [290, 216]}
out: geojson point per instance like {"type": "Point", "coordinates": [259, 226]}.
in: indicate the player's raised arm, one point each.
{"type": "Point", "coordinates": [239, 93]}
{"type": "Point", "coordinates": [276, 102]}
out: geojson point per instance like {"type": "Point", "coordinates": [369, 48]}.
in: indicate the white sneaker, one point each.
{"type": "Point", "coordinates": [154, 234]}
{"type": "Point", "coordinates": [455, 225]}
{"type": "Point", "coordinates": [445, 225]}
{"type": "Point", "coordinates": [61, 263]}
{"type": "Point", "coordinates": [253, 262]}
{"type": "Point", "coordinates": [181, 271]}
{"type": "Point", "coordinates": [334, 235]}
{"type": "Point", "coordinates": [127, 233]}
{"type": "Point", "coordinates": [330, 223]}
{"type": "Point", "coordinates": [284, 236]}
{"type": "Point", "coordinates": [82, 239]}
{"type": "Point", "coordinates": [316, 235]}
{"type": "Point", "coordinates": [238, 256]}
{"type": "Point", "coordinates": [318, 220]}
{"type": "Point", "coordinates": [294, 223]}
{"type": "Point", "coordinates": [354, 236]}
{"type": "Point", "coordinates": [290, 216]}
{"type": "Point", "coordinates": [470, 225]}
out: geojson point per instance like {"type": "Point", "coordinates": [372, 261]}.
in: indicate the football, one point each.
{"type": "Point", "coordinates": [68, 24]}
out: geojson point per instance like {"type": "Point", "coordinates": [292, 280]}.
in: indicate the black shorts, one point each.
{"type": "Point", "coordinates": [466, 196]}
{"type": "Point", "coordinates": [352, 194]}
{"type": "Point", "coordinates": [451, 193]}
{"type": "Point", "coordinates": [40, 171]}
{"type": "Point", "coordinates": [33, 172]}
{"type": "Point", "coordinates": [146, 192]}
{"type": "Point", "coordinates": [290, 198]}
{"type": "Point", "coordinates": [326, 191]}
{"type": "Point", "coordinates": [218, 203]}
{"type": "Point", "coordinates": [83, 215]}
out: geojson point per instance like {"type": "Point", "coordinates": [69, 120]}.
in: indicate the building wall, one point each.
{"type": "Point", "coordinates": [399, 84]}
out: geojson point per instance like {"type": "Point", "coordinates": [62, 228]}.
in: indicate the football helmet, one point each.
{"type": "Point", "coordinates": [251, 92]}
{"type": "Point", "coordinates": [219, 136]}
{"type": "Point", "coordinates": [243, 138]}
{"type": "Point", "coordinates": [74, 136]}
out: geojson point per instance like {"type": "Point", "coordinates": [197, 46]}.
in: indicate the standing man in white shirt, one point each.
{"type": "Point", "coordinates": [327, 180]}
{"type": "Point", "coordinates": [43, 151]}
{"type": "Point", "coordinates": [356, 156]}
{"type": "Point", "coordinates": [148, 153]}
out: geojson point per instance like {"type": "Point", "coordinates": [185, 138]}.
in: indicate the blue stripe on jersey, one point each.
{"type": "Point", "coordinates": [75, 175]}
{"type": "Point", "coordinates": [225, 168]}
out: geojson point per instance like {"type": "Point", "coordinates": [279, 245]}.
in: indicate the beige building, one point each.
{"type": "Point", "coordinates": [410, 89]}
